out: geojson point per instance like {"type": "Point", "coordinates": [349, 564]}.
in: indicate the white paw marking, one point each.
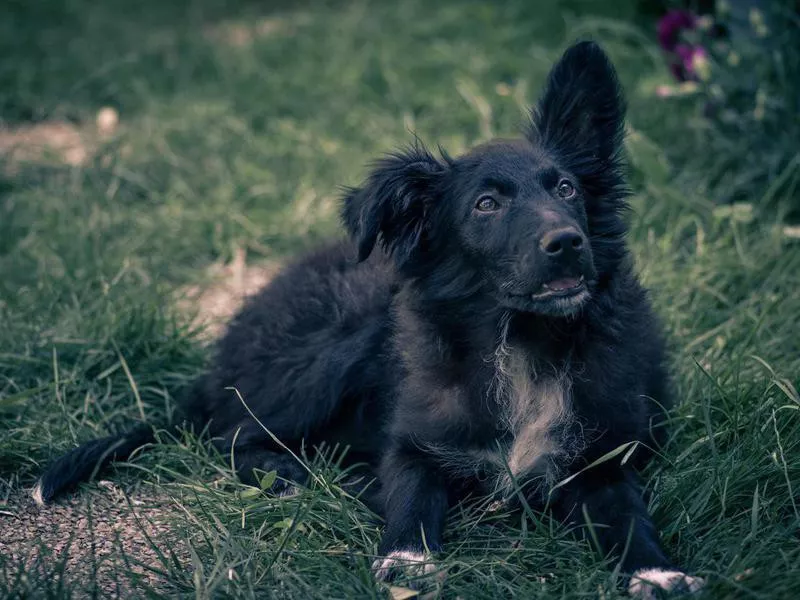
{"type": "Point", "coordinates": [414, 564]}
{"type": "Point", "coordinates": [645, 582]}
{"type": "Point", "coordinates": [495, 506]}
{"type": "Point", "coordinates": [290, 491]}
{"type": "Point", "coordinates": [36, 494]}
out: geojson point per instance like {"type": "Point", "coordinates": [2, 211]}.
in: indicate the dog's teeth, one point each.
{"type": "Point", "coordinates": [560, 285]}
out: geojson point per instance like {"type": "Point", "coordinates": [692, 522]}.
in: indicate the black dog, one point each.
{"type": "Point", "coordinates": [499, 344]}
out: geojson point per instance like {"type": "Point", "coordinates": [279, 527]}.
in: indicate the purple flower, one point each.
{"type": "Point", "coordinates": [683, 57]}
{"type": "Point", "coordinates": [671, 25]}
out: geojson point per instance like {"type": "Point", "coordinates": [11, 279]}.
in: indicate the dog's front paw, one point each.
{"type": "Point", "coordinates": [410, 563]}
{"type": "Point", "coordinates": [284, 489]}
{"type": "Point", "coordinates": [645, 583]}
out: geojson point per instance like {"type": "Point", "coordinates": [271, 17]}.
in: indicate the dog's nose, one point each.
{"type": "Point", "coordinates": [567, 241]}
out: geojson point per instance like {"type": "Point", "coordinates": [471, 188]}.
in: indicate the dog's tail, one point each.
{"type": "Point", "coordinates": [84, 462]}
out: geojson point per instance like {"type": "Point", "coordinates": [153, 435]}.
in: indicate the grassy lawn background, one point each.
{"type": "Point", "coordinates": [237, 125]}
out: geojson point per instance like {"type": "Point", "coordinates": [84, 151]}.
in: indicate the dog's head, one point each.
{"type": "Point", "coordinates": [533, 222]}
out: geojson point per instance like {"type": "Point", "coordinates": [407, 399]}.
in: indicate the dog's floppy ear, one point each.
{"type": "Point", "coordinates": [581, 114]}
{"type": "Point", "coordinates": [393, 203]}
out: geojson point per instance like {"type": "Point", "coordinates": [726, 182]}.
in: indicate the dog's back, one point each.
{"type": "Point", "coordinates": [302, 348]}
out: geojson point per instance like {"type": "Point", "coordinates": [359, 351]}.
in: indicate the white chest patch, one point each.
{"type": "Point", "coordinates": [537, 411]}
{"type": "Point", "coordinates": [535, 441]}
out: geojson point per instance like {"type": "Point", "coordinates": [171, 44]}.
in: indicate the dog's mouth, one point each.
{"type": "Point", "coordinates": [558, 297]}
{"type": "Point", "coordinates": [560, 288]}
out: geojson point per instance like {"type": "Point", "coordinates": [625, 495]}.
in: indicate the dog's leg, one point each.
{"type": "Point", "coordinates": [250, 459]}
{"type": "Point", "coordinates": [415, 507]}
{"type": "Point", "coordinates": [611, 501]}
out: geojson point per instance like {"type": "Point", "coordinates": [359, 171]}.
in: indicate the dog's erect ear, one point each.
{"type": "Point", "coordinates": [581, 114]}
{"type": "Point", "coordinates": [393, 202]}
{"type": "Point", "coordinates": [580, 120]}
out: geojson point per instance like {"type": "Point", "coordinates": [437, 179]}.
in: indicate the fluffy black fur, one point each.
{"type": "Point", "coordinates": [498, 342]}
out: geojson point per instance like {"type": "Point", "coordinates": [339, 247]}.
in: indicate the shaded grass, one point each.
{"type": "Point", "coordinates": [227, 145]}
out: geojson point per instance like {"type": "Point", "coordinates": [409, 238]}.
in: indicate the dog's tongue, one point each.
{"type": "Point", "coordinates": [563, 284]}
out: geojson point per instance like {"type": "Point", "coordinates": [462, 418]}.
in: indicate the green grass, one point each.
{"type": "Point", "coordinates": [224, 146]}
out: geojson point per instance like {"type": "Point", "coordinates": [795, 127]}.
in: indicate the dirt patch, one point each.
{"type": "Point", "coordinates": [43, 141]}
{"type": "Point", "coordinates": [214, 303]}
{"type": "Point", "coordinates": [110, 539]}
{"type": "Point", "coordinates": [58, 141]}
{"type": "Point", "coordinates": [239, 34]}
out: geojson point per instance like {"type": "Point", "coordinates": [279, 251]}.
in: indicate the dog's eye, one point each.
{"type": "Point", "coordinates": [565, 189]}
{"type": "Point", "coordinates": [486, 204]}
